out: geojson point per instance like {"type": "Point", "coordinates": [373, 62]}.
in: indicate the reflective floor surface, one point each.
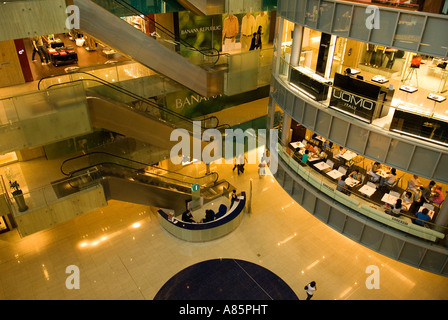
{"type": "Point", "coordinates": [122, 252]}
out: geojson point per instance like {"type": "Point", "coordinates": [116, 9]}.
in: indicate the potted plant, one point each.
{"type": "Point", "coordinates": [18, 196]}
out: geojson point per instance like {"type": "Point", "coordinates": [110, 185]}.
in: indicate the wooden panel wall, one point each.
{"type": "Point", "coordinates": [10, 68]}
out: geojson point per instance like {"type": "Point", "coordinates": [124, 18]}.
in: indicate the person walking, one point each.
{"type": "Point", "coordinates": [310, 288]}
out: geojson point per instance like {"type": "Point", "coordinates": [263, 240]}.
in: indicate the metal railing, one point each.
{"type": "Point", "coordinates": [120, 94]}
{"type": "Point", "coordinates": [325, 182]}
{"type": "Point", "coordinates": [74, 165]}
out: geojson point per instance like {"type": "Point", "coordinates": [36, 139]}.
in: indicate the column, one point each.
{"type": "Point", "coordinates": [442, 218]}
{"type": "Point", "coordinates": [278, 41]}
{"type": "Point", "coordinates": [296, 49]}
{"type": "Point", "coordinates": [286, 128]}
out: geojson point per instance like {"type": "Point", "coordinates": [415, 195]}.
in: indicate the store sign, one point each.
{"type": "Point", "coordinates": [351, 101]}
{"type": "Point", "coordinates": [192, 100]}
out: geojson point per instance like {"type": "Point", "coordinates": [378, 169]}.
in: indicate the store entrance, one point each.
{"type": "Point", "coordinates": [60, 52]}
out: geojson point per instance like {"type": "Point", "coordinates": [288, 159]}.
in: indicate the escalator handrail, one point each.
{"type": "Point", "coordinates": [175, 182]}
{"type": "Point", "coordinates": [127, 92]}
{"type": "Point", "coordinates": [132, 161]}
{"type": "Point", "coordinates": [165, 30]}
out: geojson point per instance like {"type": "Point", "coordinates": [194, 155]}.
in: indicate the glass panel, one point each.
{"type": "Point", "coordinates": [358, 31]}
{"type": "Point", "coordinates": [312, 13]}
{"type": "Point", "coordinates": [301, 12]}
{"type": "Point", "coordinates": [342, 19]}
{"type": "Point", "coordinates": [309, 201]}
{"type": "Point", "coordinates": [298, 109]}
{"type": "Point", "coordinates": [326, 16]}
{"type": "Point", "coordinates": [399, 153]}
{"type": "Point", "coordinates": [433, 42]}
{"type": "Point", "coordinates": [408, 31]}
{"type": "Point", "coordinates": [384, 35]}
{"type": "Point", "coordinates": [243, 72]}
{"type": "Point", "coordinates": [353, 228]}
{"type": "Point", "coordinates": [441, 172]}
{"type": "Point", "coordinates": [338, 131]}
{"type": "Point", "coordinates": [371, 237]}
{"type": "Point", "coordinates": [391, 246]}
{"type": "Point", "coordinates": [336, 219]}
{"type": "Point", "coordinates": [423, 161]}
{"type": "Point", "coordinates": [377, 146]}
{"type": "Point", "coordinates": [433, 261]}
{"type": "Point", "coordinates": [290, 13]}
{"type": "Point", "coordinates": [356, 138]}
{"type": "Point", "coordinates": [411, 254]}
{"type": "Point", "coordinates": [323, 123]}
{"type": "Point", "coordinates": [309, 117]}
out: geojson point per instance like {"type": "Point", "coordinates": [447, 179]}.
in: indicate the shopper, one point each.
{"type": "Point", "coordinates": [422, 217]}
{"type": "Point", "coordinates": [233, 198]}
{"type": "Point", "coordinates": [240, 162]}
{"type": "Point", "coordinates": [438, 197]}
{"type": "Point", "coordinates": [187, 216]}
{"type": "Point", "coordinates": [305, 156]}
{"type": "Point", "coordinates": [310, 288]}
{"type": "Point", "coordinates": [253, 42]}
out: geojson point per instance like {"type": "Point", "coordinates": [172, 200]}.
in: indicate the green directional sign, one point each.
{"type": "Point", "coordinates": [195, 187]}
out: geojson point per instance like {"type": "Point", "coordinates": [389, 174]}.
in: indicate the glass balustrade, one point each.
{"type": "Point", "coordinates": [40, 117]}
{"type": "Point", "coordinates": [350, 196]}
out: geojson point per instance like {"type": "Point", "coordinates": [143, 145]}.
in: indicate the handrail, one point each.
{"type": "Point", "coordinates": [366, 199]}
{"type": "Point", "coordinates": [131, 161]}
{"type": "Point", "coordinates": [129, 93]}
{"type": "Point", "coordinates": [100, 168]}
{"type": "Point", "coordinates": [136, 12]}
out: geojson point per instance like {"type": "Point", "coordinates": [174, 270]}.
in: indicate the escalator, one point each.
{"type": "Point", "coordinates": [132, 181]}
{"type": "Point", "coordinates": [115, 32]}
{"type": "Point", "coordinates": [116, 109]}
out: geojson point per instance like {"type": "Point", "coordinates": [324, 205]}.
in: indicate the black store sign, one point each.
{"type": "Point", "coordinates": [354, 96]}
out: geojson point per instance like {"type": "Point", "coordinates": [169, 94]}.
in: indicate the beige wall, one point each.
{"type": "Point", "coordinates": [10, 69]}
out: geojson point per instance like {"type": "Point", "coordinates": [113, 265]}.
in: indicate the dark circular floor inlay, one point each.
{"type": "Point", "coordinates": [225, 279]}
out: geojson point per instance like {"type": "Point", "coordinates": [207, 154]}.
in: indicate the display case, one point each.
{"type": "Point", "coordinates": [420, 126]}
{"type": "Point", "coordinates": [310, 83]}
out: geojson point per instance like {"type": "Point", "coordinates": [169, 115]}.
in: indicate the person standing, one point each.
{"type": "Point", "coordinates": [310, 288]}
{"type": "Point", "coordinates": [38, 46]}
{"type": "Point", "coordinates": [426, 195]}
{"type": "Point", "coordinates": [233, 198]}
{"type": "Point", "coordinates": [414, 185]}
{"type": "Point", "coordinates": [253, 42]}
{"type": "Point", "coordinates": [258, 42]}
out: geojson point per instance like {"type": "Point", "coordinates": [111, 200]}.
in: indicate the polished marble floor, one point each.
{"type": "Point", "coordinates": [123, 253]}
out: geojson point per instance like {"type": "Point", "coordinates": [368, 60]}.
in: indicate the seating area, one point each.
{"type": "Point", "coordinates": [225, 220]}
{"type": "Point", "coordinates": [363, 186]}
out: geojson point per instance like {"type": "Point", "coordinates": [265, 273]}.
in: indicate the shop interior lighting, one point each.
{"type": "Point", "coordinates": [350, 114]}
{"type": "Point", "coordinates": [420, 137]}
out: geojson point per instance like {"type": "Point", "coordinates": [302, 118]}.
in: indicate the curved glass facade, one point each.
{"type": "Point", "coordinates": [363, 124]}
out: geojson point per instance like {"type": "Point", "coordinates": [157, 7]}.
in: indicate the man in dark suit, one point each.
{"type": "Point", "coordinates": [187, 216]}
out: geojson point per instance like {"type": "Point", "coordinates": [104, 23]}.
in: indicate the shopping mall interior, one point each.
{"type": "Point", "coordinates": [94, 200]}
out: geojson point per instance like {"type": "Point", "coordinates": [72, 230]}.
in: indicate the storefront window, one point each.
{"type": "Point", "coordinates": [406, 81]}
{"type": "Point", "coordinates": [310, 48]}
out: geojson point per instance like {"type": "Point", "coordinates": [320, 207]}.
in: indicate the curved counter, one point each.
{"type": "Point", "coordinates": [198, 232]}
